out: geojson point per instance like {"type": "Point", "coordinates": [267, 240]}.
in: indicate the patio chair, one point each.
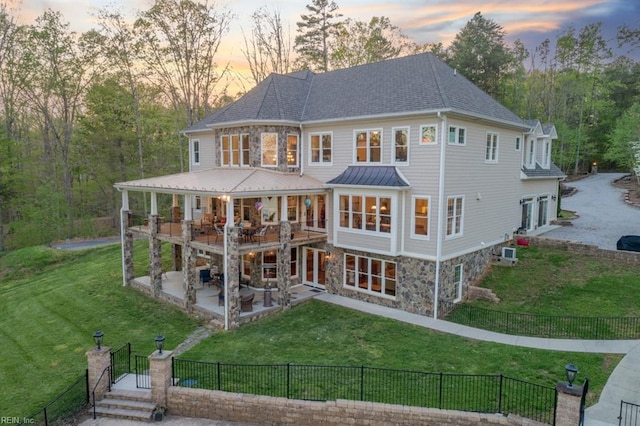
{"type": "Point", "coordinates": [219, 232]}
{"type": "Point", "coordinates": [261, 234]}
{"type": "Point", "coordinates": [246, 302]}
{"type": "Point", "coordinates": [205, 276]}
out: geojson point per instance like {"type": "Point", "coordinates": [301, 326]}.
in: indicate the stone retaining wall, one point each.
{"type": "Point", "coordinates": [588, 249]}
{"type": "Point", "coordinates": [266, 410]}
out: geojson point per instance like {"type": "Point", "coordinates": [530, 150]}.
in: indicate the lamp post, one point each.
{"type": "Point", "coordinates": [159, 343]}
{"type": "Point", "coordinates": [571, 371]}
{"type": "Point", "coordinates": [97, 337]}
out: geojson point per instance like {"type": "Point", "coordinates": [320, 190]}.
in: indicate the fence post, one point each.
{"type": "Point", "coordinates": [568, 404]}
{"type": "Point", "coordinates": [160, 376]}
{"type": "Point", "coordinates": [97, 361]}
{"type": "Point", "coordinates": [362, 383]}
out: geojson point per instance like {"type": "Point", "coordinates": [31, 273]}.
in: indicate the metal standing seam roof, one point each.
{"type": "Point", "coordinates": [375, 176]}
{"type": "Point", "coordinates": [227, 181]}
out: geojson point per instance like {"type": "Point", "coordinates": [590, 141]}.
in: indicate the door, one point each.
{"type": "Point", "coordinates": [543, 207]}
{"type": "Point", "coordinates": [314, 267]}
{"type": "Point", "coordinates": [527, 214]}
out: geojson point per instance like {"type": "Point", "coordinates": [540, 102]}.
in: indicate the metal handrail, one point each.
{"type": "Point", "coordinates": [93, 392]}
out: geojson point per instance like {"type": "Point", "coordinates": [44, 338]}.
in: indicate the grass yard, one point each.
{"type": "Point", "coordinates": [320, 333]}
{"type": "Point", "coordinates": [553, 282]}
{"type": "Point", "coordinates": [51, 302]}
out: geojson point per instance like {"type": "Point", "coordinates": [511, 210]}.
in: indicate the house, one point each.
{"type": "Point", "coordinates": [393, 182]}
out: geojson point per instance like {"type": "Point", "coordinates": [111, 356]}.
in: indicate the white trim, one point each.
{"type": "Point", "coordinates": [195, 152]}
{"type": "Point", "coordinates": [458, 284]}
{"type": "Point", "coordinates": [459, 232]}
{"type": "Point", "coordinates": [435, 135]}
{"type": "Point", "coordinates": [412, 211]}
{"type": "Point", "coordinates": [297, 156]}
{"type": "Point", "coordinates": [491, 147]}
{"type": "Point", "coordinates": [320, 161]}
{"type": "Point", "coordinates": [381, 274]}
{"type": "Point", "coordinates": [367, 147]}
{"type": "Point", "coordinates": [456, 135]}
{"type": "Point", "coordinates": [393, 145]}
{"type": "Point", "coordinates": [262, 163]}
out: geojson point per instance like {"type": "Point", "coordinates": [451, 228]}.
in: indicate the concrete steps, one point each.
{"type": "Point", "coordinates": [126, 404]}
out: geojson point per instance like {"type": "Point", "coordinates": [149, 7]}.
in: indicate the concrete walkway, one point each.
{"type": "Point", "coordinates": [623, 384]}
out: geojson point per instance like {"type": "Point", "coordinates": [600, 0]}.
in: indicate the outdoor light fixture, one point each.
{"type": "Point", "coordinates": [159, 343]}
{"type": "Point", "coordinates": [97, 336]}
{"type": "Point", "coordinates": [553, 197]}
{"type": "Point", "coordinates": [571, 370]}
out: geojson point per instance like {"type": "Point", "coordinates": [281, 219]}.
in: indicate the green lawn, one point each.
{"type": "Point", "coordinates": [320, 333]}
{"type": "Point", "coordinates": [554, 282]}
{"type": "Point", "coordinates": [51, 303]}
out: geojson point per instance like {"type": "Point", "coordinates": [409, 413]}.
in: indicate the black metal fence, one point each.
{"type": "Point", "coordinates": [549, 326]}
{"type": "Point", "coordinates": [120, 362]}
{"type": "Point", "coordinates": [68, 403]}
{"type": "Point", "coordinates": [462, 392]}
{"type": "Point", "coordinates": [629, 414]}
{"type": "Point", "coordinates": [143, 380]}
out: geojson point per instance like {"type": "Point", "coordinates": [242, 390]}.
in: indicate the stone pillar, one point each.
{"type": "Point", "coordinates": [160, 376]}
{"type": "Point", "coordinates": [97, 361]}
{"type": "Point", "coordinates": [127, 249]}
{"type": "Point", "coordinates": [188, 266]}
{"type": "Point", "coordinates": [284, 265]}
{"type": "Point", "coordinates": [155, 256]}
{"type": "Point", "coordinates": [233, 277]}
{"type": "Point", "coordinates": [568, 406]}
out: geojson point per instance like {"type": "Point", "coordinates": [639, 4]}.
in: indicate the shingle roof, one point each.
{"type": "Point", "coordinates": [411, 84]}
{"type": "Point", "coordinates": [380, 176]}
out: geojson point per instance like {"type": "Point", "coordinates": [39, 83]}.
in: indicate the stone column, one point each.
{"type": "Point", "coordinates": [284, 265]}
{"type": "Point", "coordinates": [97, 361]}
{"type": "Point", "coordinates": [127, 249]}
{"type": "Point", "coordinates": [233, 277]}
{"type": "Point", "coordinates": [160, 376]}
{"type": "Point", "coordinates": [568, 406]}
{"type": "Point", "coordinates": [188, 266]}
{"type": "Point", "coordinates": [155, 256]}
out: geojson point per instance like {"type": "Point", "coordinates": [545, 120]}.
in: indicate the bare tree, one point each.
{"type": "Point", "coordinates": [268, 48]}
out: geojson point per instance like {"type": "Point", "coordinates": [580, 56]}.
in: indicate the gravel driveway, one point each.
{"type": "Point", "coordinates": [603, 215]}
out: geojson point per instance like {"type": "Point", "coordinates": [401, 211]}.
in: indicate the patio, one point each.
{"type": "Point", "coordinates": [207, 296]}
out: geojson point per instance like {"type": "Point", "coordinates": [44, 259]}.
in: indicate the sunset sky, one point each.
{"type": "Point", "coordinates": [422, 20]}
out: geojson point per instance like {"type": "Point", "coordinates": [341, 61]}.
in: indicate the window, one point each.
{"type": "Point", "coordinates": [365, 213]}
{"type": "Point", "coordinates": [546, 160]}
{"type": "Point", "coordinates": [368, 146]}
{"type": "Point", "coordinates": [457, 136]}
{"type": "Point", "coordinates": [195, 149]}
{"type": "Point", "coordinates": [529, 153]}
{"type": "Point", "coordinates": [491, 153]}
{"type": "Point", "coordinates": [457, 281]}
{"type": "Point", "coordinates": [420, 225]}
{"type": "Point", "coordinates": [518, 143]}
{"type": "Point", "coordinates": [543, 209]}
{"type": "Point", "coordinates": [321, 148]}
{"type": "Point", "coordinates": [370, 275]}
{"type": "Point", "coordinates": [294, 262]}
{"type": "Point", "coordinates": [428, 134]}
{"type": "Point", "coordinates": [292, 208]}
{"type": "Point", "coordinates": [269, 149]}
{"type": "Point", "coordinates": [198, 202]}
{"type": "Point", "coordinates": [292, 150]}
{"type": "Point", "coordinates": [400, 144]}
{"type": "Point", "coordinates": [234, 150]}
{"type": "Point", "coordinates": [269, 264]}
{"type": "Point", "coordinates": [454, 216]}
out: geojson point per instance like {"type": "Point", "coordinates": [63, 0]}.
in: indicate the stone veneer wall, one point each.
{"type": "Point", "coordinates": [266, 410]}
{"type": "Point", "coordinates": [591, 250]}
{"type": "Point", "coordinates": [255, 148]}
{"type": "Point", "coordinates": [415, 285]}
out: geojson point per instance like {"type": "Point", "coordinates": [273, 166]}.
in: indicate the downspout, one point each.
{"type": "Point", "coordinates": [300, 150]}
{"type": "Point", "coordinates": [123, 208]}
{"type": "Point", "coordinates": [443, 121]}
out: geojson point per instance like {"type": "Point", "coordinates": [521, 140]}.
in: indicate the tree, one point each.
{"type": "Point", "coordinates": [179, 43]}
{"type": "Point", "coordinates": [479, 52]}
{"type": "Point", "coordinates": [268, 49]}
{"type": "Point", "coordinates": [624, 148]}
{"type": "Point", "coordinates": [357, 42]}
{"type": "Point", "coordinates": [315, 30]}
{"type": "Point", "coordinates": [627, 35]}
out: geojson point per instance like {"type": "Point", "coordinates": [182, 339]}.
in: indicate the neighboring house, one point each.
{"type": "Point", "coordinates": [393, 182]}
